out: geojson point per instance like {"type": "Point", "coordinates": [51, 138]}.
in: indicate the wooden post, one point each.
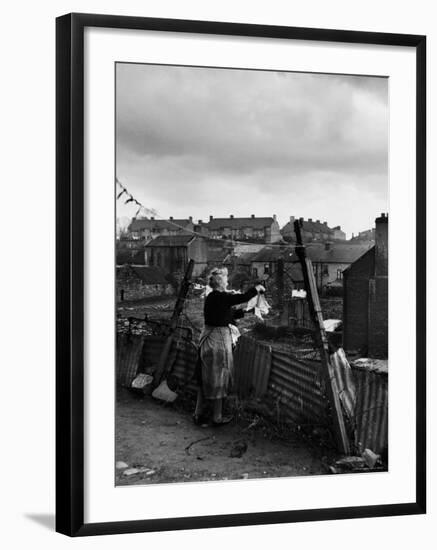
{"type": "Point", "coordinates": [322, 341]}
{"type": "Point", "coordinates": [162, 367]}
{"type": "Point", "coordinates": [280, 285]}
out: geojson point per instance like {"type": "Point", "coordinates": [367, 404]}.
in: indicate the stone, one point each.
{"type": "Point", "coordinates": [120, 465]}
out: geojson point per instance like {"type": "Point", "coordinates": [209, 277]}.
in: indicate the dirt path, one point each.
{"type": "Point", "coordinates": [163, 442]}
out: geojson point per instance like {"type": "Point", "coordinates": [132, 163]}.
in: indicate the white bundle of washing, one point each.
{"type": "Point", "coordinates": [259, 304]}
{"type": "Point", "coordinates": [235, 334]}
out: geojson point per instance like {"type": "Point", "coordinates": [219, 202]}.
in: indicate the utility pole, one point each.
{"type": "Point", "coordinates": [322, 342]}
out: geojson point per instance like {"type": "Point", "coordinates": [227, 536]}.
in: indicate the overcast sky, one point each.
{"type": "Point", "coordinates": [201, 141]}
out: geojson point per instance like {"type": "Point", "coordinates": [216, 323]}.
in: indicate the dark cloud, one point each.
{"type": "Point", "coordinates": [181, 128]}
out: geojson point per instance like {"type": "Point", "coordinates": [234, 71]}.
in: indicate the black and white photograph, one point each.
{"type": "Point", "coordinates": [251, 258]}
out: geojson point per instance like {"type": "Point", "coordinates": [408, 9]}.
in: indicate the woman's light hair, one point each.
{"type": "Point", "coordinates": [217, 278]}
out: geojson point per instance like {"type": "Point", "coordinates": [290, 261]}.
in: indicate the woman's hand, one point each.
{"type": "Point", "coordinates": [260, 289]}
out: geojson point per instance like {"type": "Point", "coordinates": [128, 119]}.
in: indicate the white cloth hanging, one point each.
{"type": "Point", "coordinates": [259, 304]}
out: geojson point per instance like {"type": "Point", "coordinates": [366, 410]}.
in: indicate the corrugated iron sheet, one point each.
{"type": "Point", "coordinates": [184, 364]}
{"type": "Point", "coordinates": [252, 362]}
{"type": "Point", "coordinates": [345, 383]}
{"type": "Point", "coordinates": [371, 411]}
{"type": "Point", "coordinates": [129, 348]}
{"type": "Point", "coordinates": [140, 354]}
{"type": "Point", "coordinates": [296, 385]}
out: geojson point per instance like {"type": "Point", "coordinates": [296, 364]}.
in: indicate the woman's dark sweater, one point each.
{"type": "Point", "coordinates": [218, 306]}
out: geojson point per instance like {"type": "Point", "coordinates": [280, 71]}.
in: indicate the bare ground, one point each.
{"type": "Point", "coordinates": [163, 441]}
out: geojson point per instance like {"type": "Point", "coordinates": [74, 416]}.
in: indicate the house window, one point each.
{"type": "Point", "coordinates": [254, 272]}
{"type": "Point", "coordinates": [266, 269]}
{"type": "Point", "coordinates": [325, 270]}
{"type": "Point", "coordinates": [339, 274]}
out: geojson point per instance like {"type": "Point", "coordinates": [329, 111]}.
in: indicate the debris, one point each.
{"type": "Point", "coordinates": [379, 366]}
{"type": "Point", "coordinates": [298, 294]}
{"type": "Point", "coordinates": [131, 472]}
{"type": "Point", "coordinates": [370, 458]}
{"type": "Point", "coordinates": [350, 463]}
{"type": "Point", "coordinates": [188, 447]}
{"type": "Point", "coordinates": [238, 450]}
{"type": "Point", "coordinates": [120, 465]}
{"type": "Point", "coordinates": [245, 476]}
{"type": "Point", "coordinates": [364, 463]}
{"type": "Point", "coordinates": [143, 382]}
{"type": "Point", "coordinates": [139, 470]}
{"type": "Point", "coordinates": [164, 393]}
{"type": "Point", "coordinates": [252, 424]}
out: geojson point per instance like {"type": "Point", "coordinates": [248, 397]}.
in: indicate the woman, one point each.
{"type": "Point", "coordinates": [215, 347]}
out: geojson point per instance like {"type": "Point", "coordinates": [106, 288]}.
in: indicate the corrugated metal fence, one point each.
{"type": "Point", "coordinates": [296, 386]}
{"type": "Point", "coordinates": [140, 354]}
{"type": "Point", "coordinates": [288, 380]}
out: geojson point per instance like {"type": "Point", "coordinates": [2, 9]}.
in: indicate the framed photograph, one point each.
{"type": "Point", "coordinates": [240, 274]}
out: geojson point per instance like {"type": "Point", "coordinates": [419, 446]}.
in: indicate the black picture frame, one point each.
{"type": "Point", "coordinates": [70, 273]}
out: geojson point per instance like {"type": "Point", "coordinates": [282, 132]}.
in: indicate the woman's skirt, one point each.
{"type": "Point", "coordinates": [216, 361]}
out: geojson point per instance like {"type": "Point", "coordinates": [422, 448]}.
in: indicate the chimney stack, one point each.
{"type": "Point", "coordinates": [317, 221]}
{"type": "Point", "coordinates": [381, 245]}
{"type": "Point", "coordinates": [328, 245]}
{"type": "Point", "coordinates": [152, 218]}
{"type": "Point", "coordinates": [291, 219]}
{"type": "Point", "coordinates": [171, 218]}
{"type": "Point", "coordinates": [310, 219]}
{"type": "Point", "coordinates": [231, 216]}
{"type": "Point", "coordinates": [325, 223]}
{"type": "Point", "coordinates": [200, 222]}
{"type": "Point", "coordinates": [274, 217]}
{"type": "Point", "coordinates": [211, 218]}
{"type": "Point", "coordinates": [191, 219]}
{"type": "Point", "coordinates": [252, 216]}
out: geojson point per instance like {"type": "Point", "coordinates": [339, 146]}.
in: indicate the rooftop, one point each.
{"type": "Point", "coordinates": [337, 253]}
{"type": "Point", "coordinates": [171, 240]}
{"type": "Point", "coordinates": [309, 225]}
{"type": "Point", "coordinates": [239, 223]}
{"type": "Point", "coordinates": [138, 224]}
{"type": "Point", "coordinates": [273, 253]}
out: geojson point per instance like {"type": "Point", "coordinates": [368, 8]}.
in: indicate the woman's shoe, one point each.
{"type": "Point", "coordinates": [224, 420]}
{"type": "Point", "coordinates": [199, 419]}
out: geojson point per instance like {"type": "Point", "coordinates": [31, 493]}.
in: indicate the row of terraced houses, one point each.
{"type": "Point", "coordinates": [252, 228]}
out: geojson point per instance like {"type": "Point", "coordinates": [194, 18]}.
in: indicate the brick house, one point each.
{"type": "Point", "coordinates": [364, 236]}
{"type": "Point", "coordinates": [264, 263]}
{"type": "Point", "coordinates": [172, 254]}
{"type": "Point", "coordinates": [365, 303]}
{"type": "Point", "coordinates": [138, 281]}
{"type": "Point", "coordinates": [148, 228]}
{"type": "Point", "coordinates": [265, 230]}
{"type": "Point", "coordinates": [331, 259]}
{"type": "Point", "coordinates": [311, 230]}
{"type": "Point", "coordinates": [338, 234]}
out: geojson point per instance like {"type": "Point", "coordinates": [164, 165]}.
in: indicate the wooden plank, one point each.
{"type": "Point", "coordinates": [163, 363]}
{"type": "Point", "coordinates": [322, 341]}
